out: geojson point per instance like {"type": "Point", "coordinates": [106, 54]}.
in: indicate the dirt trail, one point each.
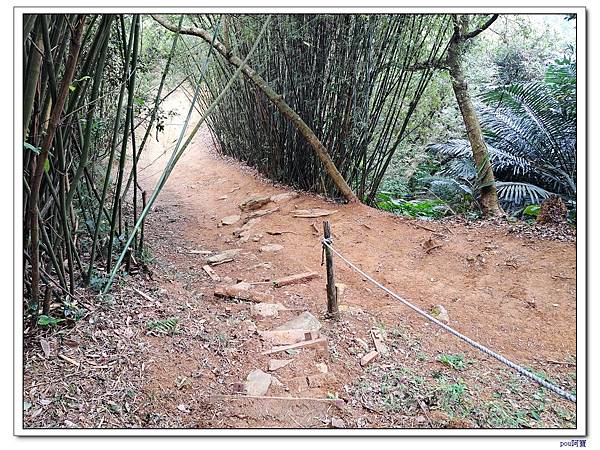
{"type": "Point", "coordinates": [515, 295]}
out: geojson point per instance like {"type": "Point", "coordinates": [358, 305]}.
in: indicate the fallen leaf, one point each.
{"type": "Point", "coordinates": [45, 347]}
{"type": "Point", "coordinates": [183, 408]}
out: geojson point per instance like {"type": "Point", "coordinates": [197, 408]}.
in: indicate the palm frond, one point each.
{"type": "Point", "coordinates": [515, 193]}
{"type": "Point", "coordinates": [531, 133]}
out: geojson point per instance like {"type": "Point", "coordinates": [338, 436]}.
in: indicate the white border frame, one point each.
{"type": "Point", "coordinates": [581, 311]}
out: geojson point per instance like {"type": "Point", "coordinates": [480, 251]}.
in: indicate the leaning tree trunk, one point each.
{"type": "Point", "coordinates": [277, 100]}
{"type": "Point", "coordinates": [485, 176]}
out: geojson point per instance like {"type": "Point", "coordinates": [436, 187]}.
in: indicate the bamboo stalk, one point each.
{"type": "Point", "coordinates": [178, 152]}
{"type": "Point", "coordinates": [279, 103]}
{"type": "Point", "coordinates": [99, 70]}
{"type": "Point", "coordinates": [111, 156]}
{"type": "Point", "coordinates": [42, 157]}
{"type": "Point", "coordinates": [135, 30]}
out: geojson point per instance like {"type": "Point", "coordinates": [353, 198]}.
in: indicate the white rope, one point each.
{"type": "Point", "coordinates": [557, 390]}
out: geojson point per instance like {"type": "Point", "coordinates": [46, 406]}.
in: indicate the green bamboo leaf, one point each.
{"type": "Point", "coordinates": [33, 148]}
{"type": "Point", "coordinates": [48, 320]}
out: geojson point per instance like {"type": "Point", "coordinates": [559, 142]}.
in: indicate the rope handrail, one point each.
{"type": "Point", "coordinates": [552, 387]}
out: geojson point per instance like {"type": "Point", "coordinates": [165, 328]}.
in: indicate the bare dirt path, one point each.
{"type": "Point", "coordinates": [515, 295]}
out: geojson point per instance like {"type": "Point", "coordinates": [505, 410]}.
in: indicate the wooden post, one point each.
{"type": "Point", "coordinates": [332, 304]}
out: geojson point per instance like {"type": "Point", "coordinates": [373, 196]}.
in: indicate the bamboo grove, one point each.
{"type": "Point", "coordinates": [297, 96]}
{"type": "Point", "coordinates": [355, 80]}
{"type": "Point", "coordinates": [78, 116]}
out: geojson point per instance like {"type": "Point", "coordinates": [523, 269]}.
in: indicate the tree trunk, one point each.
{"type": "Point", "coordinates": [279, 103]}
{"type": "Point", "coordinates": [485, 176]}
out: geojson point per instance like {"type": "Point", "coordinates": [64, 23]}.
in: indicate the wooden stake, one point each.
{"type": "Point", "coordinates": [332, 303]}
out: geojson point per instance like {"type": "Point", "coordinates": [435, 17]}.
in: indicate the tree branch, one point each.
{"type": "Point", "coordinates": [482, 28]}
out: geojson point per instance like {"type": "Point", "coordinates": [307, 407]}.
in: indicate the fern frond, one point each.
{"type": "Point", "coordinates": [163, 326]}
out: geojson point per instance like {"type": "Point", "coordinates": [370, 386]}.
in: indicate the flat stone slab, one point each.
{"type": "Point", "coordinates": [254, 202]}
{"type": "Point", "coordinates": [261, 213]}
{"type": "Point", "coordinates": [305, 321]}
{"type": "Point", "coordinates": [257, 382]}
{"type": "Point", "coordinates": [230, 220]}
{"type": "Point", "coordinates": [287, 337]}
{"type": "Point", "coordinates": [278, 198]}
{"type": "Point", "coordinates": [312, 213]}
{"type": "Point", "coordinates": [227, 255]}
{"type": "Point", "coordinates": [271, 248]}
{"type": "Point", "coordinates": [275, 364]}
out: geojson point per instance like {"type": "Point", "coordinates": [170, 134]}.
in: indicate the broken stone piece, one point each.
{"type": "Point", "coordinates": [440, 313]}
{"type": "Point", "coordinates": [322, 367]}
{"type": "Point", "coordinates": [305, 321]}
{"type": "Point", "coordinates": [270, 248]}
{"type": "Point", "coordinates": [227, 255]}
{"type": "Point", "coordinates": [261, 213]}
{"type": "Point", "coordinates": [257, 382]}
{"type": "Point", "coordinates": [337, 423]}
{"type": "Point", "coordinates": [278, 198]}
{"type": "Point", "coordinates": [379, 342]}
{"type": "Point", "coordinates": [369, 358]}
{"type": "Point", "coordinates": [254, 202]}
{"type": "Point", "coordinates": [230, 220]}
{"type": "Point", "coordinates": [275, 364]}
{"type": "Point", "coordinates": [311, 213]}
{"type": "Point", "coordinates": [340, 288]}
{"type": "Point", "coordinates": [275, 382]}
{"type": "Point", "coordinates": [294, 279]}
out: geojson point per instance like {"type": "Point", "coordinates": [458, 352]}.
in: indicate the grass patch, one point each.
{"type": "Point", "coordinates": [431, 209]}
{"type": "Point", "coordinates": [500, 414]}
{"type": "Point", "coordinates": [456, 362]}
